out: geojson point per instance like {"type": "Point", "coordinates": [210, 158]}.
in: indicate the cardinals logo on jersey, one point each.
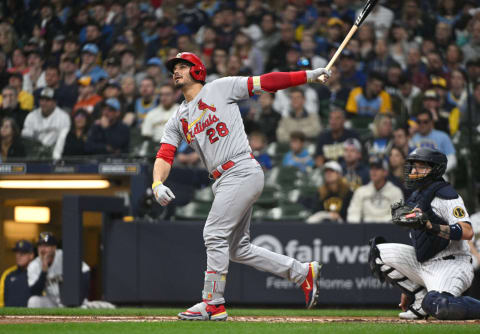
{"type": "Point", "coordinates": [202, 106]}
{"type": "Point", "coordinates": [188, 135]}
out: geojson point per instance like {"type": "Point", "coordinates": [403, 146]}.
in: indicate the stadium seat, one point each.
{"type": "Point", "coordinates": [283, 176]}
{"type": "Point", "coordinates": [193, 211]}
{"type": "Point", "coordinates": [363, 125]}
{"type": "Point", "coordinates": [291, 211]}
{"type": "Point", "coordinates": [268, 198]}
{"type": "Point", "coordinates": [276, 148]}
{"type": "Point", "coordinates": [204, 195]}
{"type": "Point", "coordinates": [34, 150]}
{"type": "Point", "coordinates": [136, 141]}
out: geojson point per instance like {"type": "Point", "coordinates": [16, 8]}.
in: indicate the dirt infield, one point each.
{"type": "Point", "coordinates": [34, 319]}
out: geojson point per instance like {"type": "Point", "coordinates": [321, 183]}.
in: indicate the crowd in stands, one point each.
{"type": "Point", "coordinates": [87, 78]}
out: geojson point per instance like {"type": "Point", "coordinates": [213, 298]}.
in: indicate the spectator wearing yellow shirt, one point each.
{"type": "Point", "coordinates": [25, 99]}
{"type": "Point", "coordinates": [371, 99]}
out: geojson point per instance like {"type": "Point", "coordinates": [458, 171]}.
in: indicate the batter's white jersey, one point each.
{"type": "Point", "coordinates": [54, 274]}
{"type": "Point", "coordinates": [211, 123]}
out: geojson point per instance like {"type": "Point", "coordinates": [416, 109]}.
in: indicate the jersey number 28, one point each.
{"type": "Point", "coordinates": [221, 129]}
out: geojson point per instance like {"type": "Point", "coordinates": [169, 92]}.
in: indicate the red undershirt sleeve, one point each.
{"type": "Point", "coordinates": [271, 82]}
{"type": "Point", "coordinates": [167, 153]}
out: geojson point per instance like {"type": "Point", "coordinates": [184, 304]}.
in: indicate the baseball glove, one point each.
{"type": "Point", "coordinates": [404, 215]}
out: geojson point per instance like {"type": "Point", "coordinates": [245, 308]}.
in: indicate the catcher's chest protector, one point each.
{"type": "Point", "coordinates": [426, 244]}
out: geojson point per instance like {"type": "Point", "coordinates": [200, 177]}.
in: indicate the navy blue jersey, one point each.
{"type": "Point", "coordinates": [14, 290]}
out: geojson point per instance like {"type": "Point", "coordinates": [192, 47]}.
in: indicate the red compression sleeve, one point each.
{"type": "Point", "coordinates": [167, 153]}
{"type": "Point", "coordinates": [271, 82]}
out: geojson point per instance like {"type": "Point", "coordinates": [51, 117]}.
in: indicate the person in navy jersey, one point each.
{"type": "Point", "coordinates": [354, 170]}
{"type": "Point", "coordinates": [14, 282]}
{"type": "Point", "coordinates": [330, 142]}
{"type": "Point", "coordinates": [109, 135]}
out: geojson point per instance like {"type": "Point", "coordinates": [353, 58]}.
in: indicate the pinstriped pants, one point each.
{"type": "Point", "coordinates": [452, 276]}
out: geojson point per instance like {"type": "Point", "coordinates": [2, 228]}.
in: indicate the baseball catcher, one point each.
{"type": "Point", "coordinates": [435, 271]}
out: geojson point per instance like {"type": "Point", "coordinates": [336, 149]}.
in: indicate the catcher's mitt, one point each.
{"type": "Point", "coordinates": [404, 215]}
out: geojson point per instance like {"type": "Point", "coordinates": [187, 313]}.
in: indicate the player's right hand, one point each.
{"type": "Point", "coordinates": [163, 194]}
{"type": "Point", "coordinates": [318, 75]}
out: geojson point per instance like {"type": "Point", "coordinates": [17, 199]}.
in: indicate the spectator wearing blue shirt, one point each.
{"type": "Point", "coordinates": [343, 10]}
{"type": "Point", "coordinates": [427, 136]}
{"type": "Point", "coordinates": [351, 77]}
{"type": "Point", "coordinates": [14, 281]}
{"type": "Point", "coordinates": [147, 101]}
{"type": "Point", "coordinates": [89, 66]}
{"type": "Point", "coordinates": [258, 144]}
{"type": "Point", "coordinates": [298, 155]}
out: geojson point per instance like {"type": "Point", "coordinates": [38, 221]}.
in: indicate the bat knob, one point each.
{"type": "Point", "coordinates": [323, 78]}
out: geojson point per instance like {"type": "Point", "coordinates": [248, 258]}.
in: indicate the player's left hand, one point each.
{"type": "Point", "coordinates": [163, 194]}
{"type": "Point", "coordinates": [318, 75]}
{"type": "Point", "coordinates": [406, 216]}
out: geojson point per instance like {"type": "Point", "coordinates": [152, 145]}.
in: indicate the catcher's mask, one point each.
{"type": "Point", "coordinates": [433, 158]}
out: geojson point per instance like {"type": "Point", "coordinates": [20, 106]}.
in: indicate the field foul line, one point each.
{"type": "Point", "coordinates": [36, 319]}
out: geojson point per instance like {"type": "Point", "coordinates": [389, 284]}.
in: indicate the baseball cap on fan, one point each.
{"type": "Point", "coordinates": [113, 103]}
{"type": "Point", "coordinates": [154, 61]}
{"type": "Point", "coordinates": [430, 94]}
{"type": "Point", "coordinates": [353, 142]}
{"type": "Point", "coordinates": [333, 165]}
{"type": "Point", "coordinates": [377, 162]}
{"type": "Point", "coordinates": [47, 93]}
{"type": "Point", "coordinates": [90, 48]}
{"type": "Point", "coordinates": [334, 21]}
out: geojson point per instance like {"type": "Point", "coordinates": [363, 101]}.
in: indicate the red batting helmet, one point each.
{"type": "Point", "coordinates": [197, 71]}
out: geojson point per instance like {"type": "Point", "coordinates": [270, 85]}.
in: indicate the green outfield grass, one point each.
{"type": "Point", "coordinates": [233, 327]}
{"type": "Point", "coordinates": [223, 327]}
{"type": "Point", "coordinates": [174, 311]}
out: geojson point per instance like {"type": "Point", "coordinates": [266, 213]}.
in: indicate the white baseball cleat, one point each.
{"type": "Point", "coordinates": [409, 315]}
{"type": "Point", "coordinates": [204, 312]}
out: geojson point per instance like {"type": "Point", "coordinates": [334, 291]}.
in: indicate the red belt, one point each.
{"type": "Point", "coordinates": [226, 166]}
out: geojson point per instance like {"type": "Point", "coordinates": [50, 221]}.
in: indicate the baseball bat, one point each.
{"type": "Point", "coordinates": [361, 17]}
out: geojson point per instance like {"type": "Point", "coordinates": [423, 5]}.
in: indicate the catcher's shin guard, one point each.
{"type": "Point", "coordinates": [444, 306]}
{"type": "Point", "coordinates": [373, 255]}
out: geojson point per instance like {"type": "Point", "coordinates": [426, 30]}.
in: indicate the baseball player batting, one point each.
{"type": "Point", "coordinates": [437, 269]}
{"type": "Point", "coordinates": [209, 121]}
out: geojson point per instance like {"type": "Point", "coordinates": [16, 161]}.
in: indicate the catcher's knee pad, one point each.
{"type": "Point", "coordinates": [444, 306]}
{"type": "Point", "coordinates": [373, 255]}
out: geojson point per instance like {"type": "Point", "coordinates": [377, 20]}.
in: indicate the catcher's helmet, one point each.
{"type": "Point", "coordinates": [197, 69]}
{"type": "Point", "coordinates": [434, 158]}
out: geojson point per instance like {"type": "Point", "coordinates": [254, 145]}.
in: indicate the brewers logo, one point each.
{"type": "Point", "coordinates": [458, 212]}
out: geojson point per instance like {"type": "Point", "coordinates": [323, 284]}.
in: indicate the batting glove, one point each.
{"type": "Point", "coordinates": [318, 75]}
{"type": "Point", "coordinates": [163, 194]}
